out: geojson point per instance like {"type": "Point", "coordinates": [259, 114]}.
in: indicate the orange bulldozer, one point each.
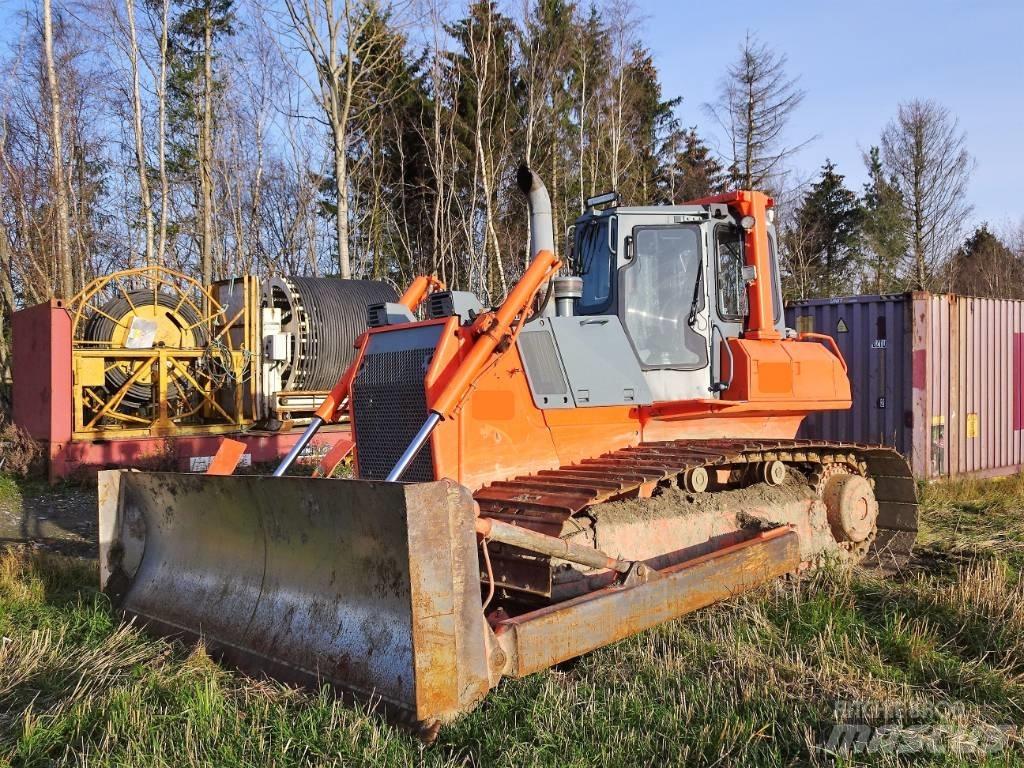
{"type": "Point", "coordinates": [611, 447]}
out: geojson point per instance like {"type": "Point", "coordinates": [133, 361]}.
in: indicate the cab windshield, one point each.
{"type": "Point", "coordinates": [594, 262]}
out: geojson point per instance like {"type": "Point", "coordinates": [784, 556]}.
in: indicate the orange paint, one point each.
{"type": "Point", "coordinates": [492, 430]}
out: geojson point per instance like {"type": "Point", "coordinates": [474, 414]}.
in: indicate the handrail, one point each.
{"type": "Point", "coordinates": [823, 338]}
{"type": "Point", "coordinates": [721, 386]}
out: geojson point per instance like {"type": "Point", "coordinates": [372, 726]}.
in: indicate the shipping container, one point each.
{"type": "Point", "coordinates": [937, 376]}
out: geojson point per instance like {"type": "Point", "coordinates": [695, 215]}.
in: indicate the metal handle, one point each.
{"type": "Point", "coordinates": [823, 338]}
{"type": "Point", "coordinates": [720, 386]}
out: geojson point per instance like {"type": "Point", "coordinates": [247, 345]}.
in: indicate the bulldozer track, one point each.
{"type": "Point", "coordinates": [544, 500]}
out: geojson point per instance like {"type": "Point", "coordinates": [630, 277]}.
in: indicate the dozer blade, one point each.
{"type": "Point", "coordinates": [371, 587]}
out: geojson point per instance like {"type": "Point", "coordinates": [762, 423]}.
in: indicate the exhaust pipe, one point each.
{"type": "Point", "coordinates": [542, 236]}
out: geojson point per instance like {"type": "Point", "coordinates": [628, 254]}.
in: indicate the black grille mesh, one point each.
{"type": "Point", "coordinates": [390, 406]}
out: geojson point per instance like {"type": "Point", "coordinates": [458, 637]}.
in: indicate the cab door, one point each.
{"type": "Point", "coordinates": [729, 308]}
{"type": "Point", "coordinates": [663, 307]}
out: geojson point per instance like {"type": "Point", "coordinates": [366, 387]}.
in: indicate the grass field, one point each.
{"type": "Point", "coordinates": [755, 681]}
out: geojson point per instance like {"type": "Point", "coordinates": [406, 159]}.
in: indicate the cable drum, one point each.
{"type": "Point", "coordinates": [178, 326]}
{"type": "Point", "coordinates": [324, 316]}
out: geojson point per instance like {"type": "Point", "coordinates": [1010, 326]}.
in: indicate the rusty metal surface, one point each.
{"type": "Point", "coordinates": [536, 640]}
{"type": "Point", "coordinates": [369, 586]}
{"type": "Point", "coordinates": [42, 358]}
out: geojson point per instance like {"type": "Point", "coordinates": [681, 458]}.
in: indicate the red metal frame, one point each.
{"type": "Point", "coordinates": [83, 458]}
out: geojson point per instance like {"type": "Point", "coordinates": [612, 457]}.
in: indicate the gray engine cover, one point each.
{"type": "Point", "coordinates": [581, 362]}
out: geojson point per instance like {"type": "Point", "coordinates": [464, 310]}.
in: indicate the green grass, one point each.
{"type": "Point", "coordinates": [969, 519]}
{"type": "Point", "coordinates": [749, 682]}
{"type": "Point", "coordinates": [10, 491]}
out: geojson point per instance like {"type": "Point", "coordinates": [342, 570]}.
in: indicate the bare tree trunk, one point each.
{"type": "Point", "coordinates": [6, 301]}
{"type": "Point", "coordinates": [206, 155]}
{"type": "Point", "coordinates": [67, 286]}
{"type": "Point", "coordinates": [341, 190]}
{"type": "Point", "coordinates": [140, 141]}
{"type": "Point", "coordinates": [161, 95]}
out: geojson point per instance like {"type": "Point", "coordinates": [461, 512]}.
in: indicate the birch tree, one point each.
{"type": "Point", "coordinates": [60, 192]}
{"type": "Point", "coordinates": [925, 152]}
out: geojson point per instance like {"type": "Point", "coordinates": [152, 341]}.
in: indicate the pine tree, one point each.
{"type": "Point", "coordinates": [829, 220]}
{"type": "Point", "coordinates": [192, 91]}
{"type": "Point", "coordinates": [691, 170]}
{"type": "Point", "coordinates": [885, 228]}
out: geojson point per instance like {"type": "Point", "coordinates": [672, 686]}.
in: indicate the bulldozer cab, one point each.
{"type": "Point", "coordinates": [676, 279]}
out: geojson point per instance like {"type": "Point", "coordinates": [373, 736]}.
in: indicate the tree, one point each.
{"type": "Point", "coordinates": [825, 236]}
{"type": "Point", "coordinates": [339, 39]}
{"type": "Point", "coordinates": [194, 86]}
{"type": "Point", "coordinates": [483, 65]}
{"type": "Point", "coordinates": [985, 266]}
{"type": "Point", "coordinates": [885, 227]}
{"type": "Point", "coordinates": [691, 170]}
{"type": "Point", "coordinates": [924, 151]}
{"type": "Point", "coordinates": [60, 191]}
{"type": "Point", "coordinates": [755, 101]}
{"type": "Point", "coordinates": [652, 124]}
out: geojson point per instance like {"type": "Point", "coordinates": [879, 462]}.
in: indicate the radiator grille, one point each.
{"type": "Point", "coordinates": [390, 406]}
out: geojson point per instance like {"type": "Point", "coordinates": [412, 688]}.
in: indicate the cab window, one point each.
{"type": "Point", "coordinates": [595, 263]}
{"type": "Point", "coordinates": [732, 289]}
{"type": "Point", "coordinates": [661, 287]}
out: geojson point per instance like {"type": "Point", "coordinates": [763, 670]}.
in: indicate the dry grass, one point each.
{"type": "Point", "coordinates": [750, 682]}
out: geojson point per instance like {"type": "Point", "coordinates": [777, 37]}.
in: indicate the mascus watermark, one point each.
{"type": "Point", "coordinates": [862, 727]}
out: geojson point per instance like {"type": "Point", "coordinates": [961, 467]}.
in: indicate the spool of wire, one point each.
{"type": "Point", "coordinates": [324, 316]}
{"type": "Point", "coordinates": [177, 325]}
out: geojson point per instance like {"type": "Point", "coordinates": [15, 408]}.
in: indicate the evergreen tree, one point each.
{"type": "Point", "coordinates": [829, 221]}
{"type": "Point", "coordinates": [885, 228]}
{"type": "Point", "coordinates": [985, 266]}
{"type": "Point", "coordinates": [652, 121]}
{"type": "Point", "coordinates": [392, 188]}
{"type": "Point", "coordinates": [691, 170]}
{"type": "Point", "coordinates": [193, 87]}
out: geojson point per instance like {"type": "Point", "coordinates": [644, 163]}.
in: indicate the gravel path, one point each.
{"type": "Point", "coordinates": [59, 518]}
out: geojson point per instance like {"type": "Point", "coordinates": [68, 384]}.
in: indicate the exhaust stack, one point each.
{"type": "Point", "coordinates": [542, 236]}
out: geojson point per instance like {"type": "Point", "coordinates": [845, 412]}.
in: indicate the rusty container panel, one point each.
{"type": "Point", "coordinates": [873, 333]}
{"type": "Point", "coordinates": [951, 372]}
{"type": "Point", "coordinates": [985, 430]}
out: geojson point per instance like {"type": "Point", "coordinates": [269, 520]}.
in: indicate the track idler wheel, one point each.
{"type": "Point", "coordinates": [771, 472]}
{"type": "Point", "coordinates": [852, 508]}
{"type": "Point", "coordinates": [695, 480]}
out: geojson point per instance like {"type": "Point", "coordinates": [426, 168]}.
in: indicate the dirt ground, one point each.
{"type": "Point", "coordinates": [59, 518]}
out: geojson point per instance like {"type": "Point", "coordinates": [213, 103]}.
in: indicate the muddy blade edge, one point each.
{"type": "Point", "coordinates": [370, 587]}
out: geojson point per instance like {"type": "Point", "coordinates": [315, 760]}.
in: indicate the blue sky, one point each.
{"type": "Point", "coordinates": [857, 60]}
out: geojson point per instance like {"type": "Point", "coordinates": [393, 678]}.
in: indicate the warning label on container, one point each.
{"type": "Point", "coordinates": [841, 326]}
{"type": "Point", "coordinates": [972, 425]}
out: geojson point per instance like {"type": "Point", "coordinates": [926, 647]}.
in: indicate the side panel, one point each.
{"type": "Point", "coordinates": [42, 371]}
{"type": "Point", "coordinates": [581, 362]}
{"type": "Point", "coordinates": [952, 372]}
{"type": "Point", "coordinates": [873, 333]}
